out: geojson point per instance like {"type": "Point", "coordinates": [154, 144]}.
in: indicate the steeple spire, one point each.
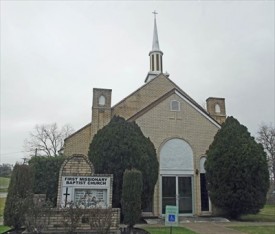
{"type": "Point", "coordinates": [155, 46]}
{"type": "Point", "coordinates": [155, 55]}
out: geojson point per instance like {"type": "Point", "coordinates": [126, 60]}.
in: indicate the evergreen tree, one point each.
{"type": "Point", "coordinates": [121, 145]}
{"type": "Point", "coordinates": [236, 170]}
{"type": "Point", "coordinates": [20, 189]}
{"type": "Point", "coordinates": [131, 196]}
{"type": "Point", "coordinates": [46, 174]}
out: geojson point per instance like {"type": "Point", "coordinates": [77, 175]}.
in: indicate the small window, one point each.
{"type": "Point", "coordinates": [157, 62]}
{"type": "Point", "coordinates": [101, 100]}
{"type": "Point", "coordinates": [153, 63]}
{"type": "Point", "coordinates": [217, 108]}
{"type": "Point", "coordinates": [175, 105]}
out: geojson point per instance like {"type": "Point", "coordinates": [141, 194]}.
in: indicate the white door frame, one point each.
{"type": "Point", "coordinates": [177, 191]}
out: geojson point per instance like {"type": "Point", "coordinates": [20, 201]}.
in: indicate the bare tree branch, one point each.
{"type": "Point", "coordinates": [47, 139]}
{"type": "Point", "coordinates": [266, 136]}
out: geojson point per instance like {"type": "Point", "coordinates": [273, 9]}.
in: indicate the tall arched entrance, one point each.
{"type": "Point", "coordinates": [177, 176]}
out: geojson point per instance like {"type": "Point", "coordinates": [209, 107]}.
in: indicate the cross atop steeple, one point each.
{"type": "Point", "coordinates": [155, 13]}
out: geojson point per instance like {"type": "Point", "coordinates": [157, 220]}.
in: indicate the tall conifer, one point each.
{"type": "Point", "coordinates": [131, 196]}
{"type": "Point", "coordinates": [236, 170]}
{"type": "Point", "coordinates": [20, 189]}
{"type": "Point", "coordinates": [121, 145]}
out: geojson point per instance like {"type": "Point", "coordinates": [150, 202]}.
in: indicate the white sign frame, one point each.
{"type": "Point", "coordinates": [70, 183]}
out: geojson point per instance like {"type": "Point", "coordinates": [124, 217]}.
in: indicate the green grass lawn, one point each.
{"type": "Point", "coordinates": [4, 184]}
{"type": "Point", "coordinates": [166, 230]}
{"type": "Point", "coordinates": [267, 214]}
{"type": "Point", "coordinates": [4, 229]}
{"type": "Point", "coordinates": [2, 205]}
{"type": "Point", "coordinates": [256, 229]}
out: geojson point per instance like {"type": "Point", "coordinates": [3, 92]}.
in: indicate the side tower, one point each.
{"type": "Point", "coordinates": [101, 109]}
{"type": "Point", "coordinates": [216, 108]}
{"type": "Point", "coordinates": [155, 55]}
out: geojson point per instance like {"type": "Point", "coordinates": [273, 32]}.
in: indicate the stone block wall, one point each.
{"type": "Point", "coordinates": [76, 165]}
{"type": "Point", "coordinates": [142, 97]}
{"type": "Point", "coordinates": [218, 114]}
{"type": "Point", "coordinates": [79, 142]}
{"type": "Point", "coordinates": [53, 221]}
{"type": "Point", "coordinates": [161, 124]}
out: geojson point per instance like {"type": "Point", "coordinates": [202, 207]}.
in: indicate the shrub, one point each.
{"type": "Point", "coordinates": [131, 196]}
{"type": "Point", "coordinates": [20, 189]}
{"type": "Point", "coordinates": [100, 220]}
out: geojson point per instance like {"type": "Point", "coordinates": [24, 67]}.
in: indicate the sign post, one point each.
{"type": "Point", "coordinates": [171, 216]}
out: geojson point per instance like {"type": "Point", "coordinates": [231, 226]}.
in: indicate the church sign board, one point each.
{"type": "Point", "coordinates": [86, 191]}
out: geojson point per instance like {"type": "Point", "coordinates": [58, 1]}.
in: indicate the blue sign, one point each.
{"type": "Point", "coordinates": [171, 218]}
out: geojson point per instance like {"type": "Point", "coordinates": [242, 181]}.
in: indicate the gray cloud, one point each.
{"type": "Point", "coordinates": [54, 53]}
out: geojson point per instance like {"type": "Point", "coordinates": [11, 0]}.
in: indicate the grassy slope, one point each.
{"type": "Point", "coordinates": [4, 229]}
{"type": "Point", "coordinates": [2, 205]}
{"type": "Point", "coordinates": [4, 184]}
{"type": "Point", "coordinates": [256, 230]}
{"type": "Point", "coordinates": [267, 214]}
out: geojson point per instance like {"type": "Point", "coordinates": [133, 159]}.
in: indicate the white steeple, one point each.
{"type": "Point", "coordinates": [155, 55]}
{"type": "Point", "coordinates": [155, 46]}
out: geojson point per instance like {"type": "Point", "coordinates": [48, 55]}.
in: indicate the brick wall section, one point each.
{"type": "Point", "coordinates": [76, 165]}
{"type": "Point", "coordinates": [211, 102]}
{"type": "Point", "coordinates": [101, 114]}
{"type": "Point", "coordinates": [141, 98]}
{"type": "Point", "coordinates": [79, 142]}
{"type": "Point", "coordinates": [161, 125]}
{"type": "Point", "coordinates": [53, 221]}
{"type": "Point", "coordinates": [79, 165]}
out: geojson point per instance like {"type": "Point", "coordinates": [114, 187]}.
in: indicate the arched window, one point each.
{"type": "Point", "coordinates": [176, 156]}
{"type": "Point", "coordinates": [175, 105]}
{"type": "Point", "coordinates": [101, 100]}
{"type": "Point", "coordinates": [217, 108]}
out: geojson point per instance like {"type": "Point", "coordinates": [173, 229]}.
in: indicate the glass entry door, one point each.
{"type": "Point", "coordinates": [177, 191]}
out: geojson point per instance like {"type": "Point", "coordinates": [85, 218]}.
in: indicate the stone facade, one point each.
{"type": "Point", "coordinates": [216, 108]}
{"type": "Point", "coordinates": [79, 142]}
{"type": "Point", "coordinates": [150, 106]}
{"type": "Point", "coordinates": [76, 165]}
{"type": "Point", "coordinates": [53, 222]}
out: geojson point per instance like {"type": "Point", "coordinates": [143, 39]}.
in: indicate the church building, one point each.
{"type": "Point", "coordinates": [180, 129]}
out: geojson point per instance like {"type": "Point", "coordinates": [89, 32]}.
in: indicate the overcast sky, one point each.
{"type": "Point", "coordinates": [53, 53]}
